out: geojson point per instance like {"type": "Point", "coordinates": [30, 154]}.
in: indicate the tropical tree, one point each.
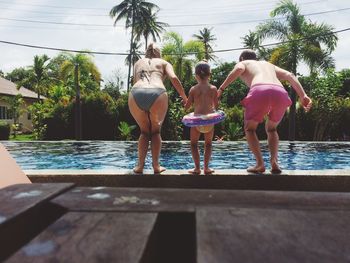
{"type": "Point", "coordinates": [302, 41]}
{"type": "Point", "coordinates": [38, 75]}
{"type": "Point", "coordinates": [207, 38]}
{"type": "Point", "coordinates": [149, 26]}
{"type": "Point", "coordinates": [134, 55]}
{"type": "Point", "coordinates": [253, 41]}
{"type": "Point", "coordinates": [130, 10]}
{"type": "Point", "coordinates": [89, 76]}
{"type": "Point", "coordinates": [182, 55]}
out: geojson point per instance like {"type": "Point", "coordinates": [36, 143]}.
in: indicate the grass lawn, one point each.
{"type": "Point", "coordinates": [22, 137]}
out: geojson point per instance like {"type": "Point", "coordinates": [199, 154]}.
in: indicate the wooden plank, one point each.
{"type": "Point", "coordinates": [17, 199]}
{"type": "Point", "coordinates": [272, 235]}
{"type": "Point", "coordinates": [11, 173]}
{"type": "Point", "coordinates": [91, 237]}
{"type": "Point", "coordinates": [184, 200]}
{"type": "Point", "coordinates": [25, 211]}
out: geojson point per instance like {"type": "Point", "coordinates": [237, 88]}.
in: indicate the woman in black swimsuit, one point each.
{"type": "Point", "coordinates": [148, 103]}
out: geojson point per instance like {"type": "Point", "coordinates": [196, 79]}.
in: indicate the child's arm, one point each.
{"type": "Point", "coordinates": [293, 80]}
{"type": "Point", "coordinates": [189, 100]}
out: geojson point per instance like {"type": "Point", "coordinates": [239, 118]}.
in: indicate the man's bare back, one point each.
{"type": "Point", "coordinates": [258, 72]}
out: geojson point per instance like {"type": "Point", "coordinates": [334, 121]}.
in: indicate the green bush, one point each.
{"type": "Point", "coordinates": [4, 130]}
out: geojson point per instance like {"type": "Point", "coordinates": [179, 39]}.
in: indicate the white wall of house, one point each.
{"type": "Point", "coordinates": [24, 120]}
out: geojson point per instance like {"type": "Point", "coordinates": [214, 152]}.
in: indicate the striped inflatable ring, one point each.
{"type": "Point", "coordinates": [192, 120]}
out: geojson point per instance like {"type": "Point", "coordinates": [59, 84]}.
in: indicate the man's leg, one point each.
{"type": "Point", "coordinates": [273, 140]}
{"type": "Point", "coordinates": [254, 145]}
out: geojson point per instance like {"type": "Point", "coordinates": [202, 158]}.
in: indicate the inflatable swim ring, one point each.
{"type": "Point", "coordinates": [192, 120]}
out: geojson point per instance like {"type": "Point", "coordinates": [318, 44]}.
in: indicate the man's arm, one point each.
{"type": "Point", "coordinates": [234, 74]}
{"type": "Point", "coordinates": [216, 100]}
{"type": "Point", "coordinates": [293, 80]}
{"type": "Point", "coordinates": [169, 70]}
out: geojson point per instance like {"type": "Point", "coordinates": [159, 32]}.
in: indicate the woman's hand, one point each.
{"type": "Point", "coordinates": [184, 101]}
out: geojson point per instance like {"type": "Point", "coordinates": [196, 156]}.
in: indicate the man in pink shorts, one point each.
{"type": "Point", "coordinates": [266, 96]}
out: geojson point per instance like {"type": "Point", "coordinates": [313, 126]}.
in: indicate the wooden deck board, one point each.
{"type": "Point", "coordinates": [91, 237]}
{"type": "Point", "coordinates": [187, 200]}
{"type": "Point", "coordinates": [272, 235]}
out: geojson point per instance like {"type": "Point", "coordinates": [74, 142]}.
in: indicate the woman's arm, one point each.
{"type": "Point", "coordinates": [169, 70]}
{"type": "Point", "coordinates": [189, 100]}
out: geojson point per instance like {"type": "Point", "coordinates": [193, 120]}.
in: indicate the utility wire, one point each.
{"type": "Point", "coordinates": [188, 53]}
{"type": "Point", "coordinates": [179, 25]}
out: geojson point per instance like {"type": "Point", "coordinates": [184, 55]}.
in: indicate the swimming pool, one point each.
{"type": "Point", "coordinates": [99, 155]}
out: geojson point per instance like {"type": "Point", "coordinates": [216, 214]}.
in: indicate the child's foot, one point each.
{"type": "Point", "coordinates": [159, 169]}
{"type": "Point", "coordinates": [275, 169]}
{"type": "Point", "coordinates": [138, 170]}
{"type": "Point", "coordinates": [256, 169]}
{"type": "Point", "coordinates": [195, 171]}
{"type": "Point", "coordinates": [208, 171]}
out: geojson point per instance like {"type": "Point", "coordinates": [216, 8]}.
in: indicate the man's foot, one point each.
{"type": "Point", "coordinates": [194, 171]}
{"type": "Point", "coordinates": [275, 169]}
{"type": "Point", "coordinates": [159, 169]}
{"type": "Point", "coordinates": [138, 170]}
{"type": "Point", "coordinates": [256, 169]}
{"type": "Point", "coordinates": [208, 171]}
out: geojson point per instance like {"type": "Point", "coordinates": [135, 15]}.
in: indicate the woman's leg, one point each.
{"type": "Point", "coordinates": [157, 114]}
{"type": "Point", "coordinates": [142, 120]}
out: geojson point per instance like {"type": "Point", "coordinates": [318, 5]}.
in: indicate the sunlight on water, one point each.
{"type": "Point", "coordinates": [175, 155]}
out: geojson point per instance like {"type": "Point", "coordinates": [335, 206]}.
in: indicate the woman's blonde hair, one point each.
{"type": "Point", "coordinates": [153, 51]}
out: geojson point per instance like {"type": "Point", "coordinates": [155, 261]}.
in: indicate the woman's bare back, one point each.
{"type": "Point", "coordinates": [149, 73]}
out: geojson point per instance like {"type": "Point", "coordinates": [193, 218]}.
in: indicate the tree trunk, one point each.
{"type": "Point", "coordinates": [292, 111]}
{"type": "Point", "coordinates": [131, 42]}
{"type": "Point", "coordinates": [77, 104]}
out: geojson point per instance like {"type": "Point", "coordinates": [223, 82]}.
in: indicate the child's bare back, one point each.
{"type": "Point", "coordinates": [203, 96]}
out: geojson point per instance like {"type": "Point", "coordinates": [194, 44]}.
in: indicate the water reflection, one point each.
{"type": "Point", "coordinates": [175, 155]}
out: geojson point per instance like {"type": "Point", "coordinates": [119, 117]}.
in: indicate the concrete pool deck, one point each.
{"type": "Point", "coordinates": [292, 180]}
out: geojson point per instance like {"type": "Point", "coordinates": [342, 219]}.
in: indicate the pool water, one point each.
{"type": "Point", "coordinates": [174, 155]}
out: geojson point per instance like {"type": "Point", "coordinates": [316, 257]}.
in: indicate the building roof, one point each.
{"type": "Point", "coordinates": [10, 89]}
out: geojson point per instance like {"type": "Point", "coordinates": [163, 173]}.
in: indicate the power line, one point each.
{"type": "Point", "coordinates": [189, 53]}
{"type": "Point", "coordinates": [175, 25]}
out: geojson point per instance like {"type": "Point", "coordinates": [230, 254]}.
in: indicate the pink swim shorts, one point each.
{"type": "Point", "coordinates": [266, 99]}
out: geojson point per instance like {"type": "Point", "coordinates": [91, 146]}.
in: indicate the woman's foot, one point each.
{"type": "Point", "coordinates": [138, 170]}
{"type": "Point", "coordinates": [208, 171]}
{"type": "Point", "coordinates": [275, 169]}
{"type": "Point", "coordinates": [159, 169]}
{"type": "Point", "coordinates": [195, 171]}
{"type": "Point", "coordinates": [257, 169]}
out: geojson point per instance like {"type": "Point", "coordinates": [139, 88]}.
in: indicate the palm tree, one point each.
{"type": "Point", "coordinates": [252, 41]}
{"type": "Point", "coordinates": [149, 26]}
{"type": "Point", "coordinates": [207, 38]}
{"type": "Point", "coordinates": [178, 54]}
{"type": "Point", "coordinates": [130, 10]}
{"type": "Point", "coordinates": [79, 66]}
{"type": "Point", "coordinates": [134, 56]}
{"type": "Point", "coordinates": [318, 41]}
{"type": "Point", "coordinates": [39, 74]}
{"type": "Point", "coordinates": [87, 72]}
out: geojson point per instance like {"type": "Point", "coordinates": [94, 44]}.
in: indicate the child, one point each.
{"type": "Point", "coordinates": [204, 97]}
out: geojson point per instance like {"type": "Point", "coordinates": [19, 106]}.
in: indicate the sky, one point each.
{"type": "Point", "coordinates": [49, 23]}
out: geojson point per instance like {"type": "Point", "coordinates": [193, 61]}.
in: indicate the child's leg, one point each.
{"type": "Point", "coordinates": [254, 145]}
{"type": "Point", "coordinates": [208, 137]}
{"type": "Point", "coordinates": [273, 140]}
{"type": "Point", "coordinates": [195, 134]}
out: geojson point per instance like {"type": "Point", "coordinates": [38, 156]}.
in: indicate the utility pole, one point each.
{"type": "Point", "coordinates": [77, 103]}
